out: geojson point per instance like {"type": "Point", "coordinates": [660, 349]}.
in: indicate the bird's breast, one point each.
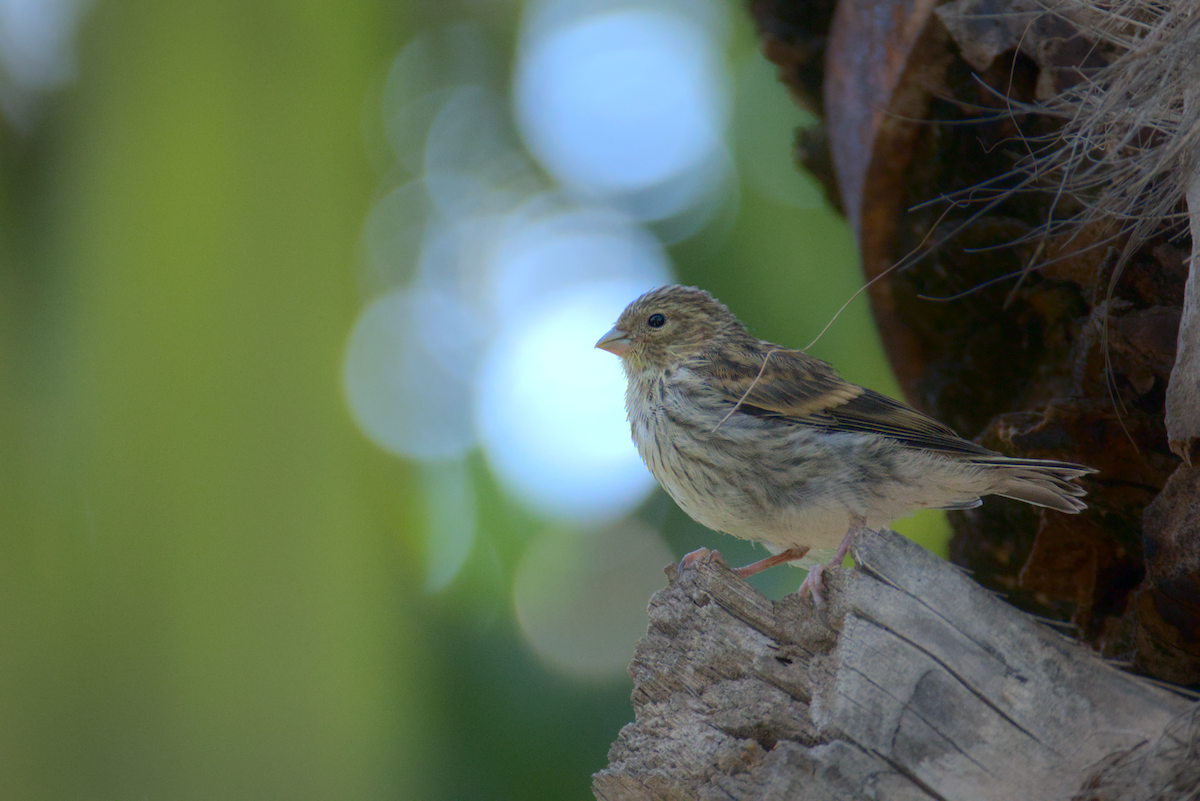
{"type": "Point", "coordinates": [755, 478]}
{"type": "Point", "coordinates": [680, 439]}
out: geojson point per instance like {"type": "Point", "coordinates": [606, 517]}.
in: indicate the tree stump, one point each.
{"type": "Point", "coordinates": [914, 683]}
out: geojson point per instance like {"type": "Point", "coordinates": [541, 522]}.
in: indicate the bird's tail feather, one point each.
{"type": "Point", "coordinates": [1040, 482]}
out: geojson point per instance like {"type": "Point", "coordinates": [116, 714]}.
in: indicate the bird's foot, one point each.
{"type": "Point", "coordinates": [816, 576]}
{"type": "Point", "coordinates": [703, 554]}
{"type": "Point", "coordinates": [812, 585]}
{"type": "Point", "coordinates": [700, 555]}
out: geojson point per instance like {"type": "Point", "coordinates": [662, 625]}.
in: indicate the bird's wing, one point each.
{"type": "Point", "coordinates": [795, 387]}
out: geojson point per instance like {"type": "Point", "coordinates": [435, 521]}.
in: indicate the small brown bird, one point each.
{"type": "Point", "coordinates": [770, 444]}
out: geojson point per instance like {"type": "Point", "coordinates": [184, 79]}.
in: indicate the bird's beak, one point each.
{"type": "Point", "coordinates": [615, 341]}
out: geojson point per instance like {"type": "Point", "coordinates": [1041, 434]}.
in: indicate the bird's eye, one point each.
{"type": "Point", "coordinates": [656, 321]}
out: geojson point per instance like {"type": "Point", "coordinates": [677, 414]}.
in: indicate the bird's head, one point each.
{"type": "Point", "coordinates": [668, 325]}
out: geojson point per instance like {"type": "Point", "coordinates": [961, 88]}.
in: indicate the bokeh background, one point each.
{"type": "Point", "coordinates": [311, 483]}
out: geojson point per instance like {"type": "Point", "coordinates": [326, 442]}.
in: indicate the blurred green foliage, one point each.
{"type": "Point", "coordinates": [210, 584]}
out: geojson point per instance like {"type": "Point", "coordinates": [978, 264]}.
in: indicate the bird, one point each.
{"type": "Point", "coordinates": [770, 444]}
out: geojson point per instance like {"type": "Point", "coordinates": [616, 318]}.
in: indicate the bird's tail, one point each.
{"type": "Point", "coordinates": [1040, 482]}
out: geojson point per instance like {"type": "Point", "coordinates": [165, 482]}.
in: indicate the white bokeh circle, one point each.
{"type": "Point", "coordinates": [618, 102]}
{"type": "Point", "coordinates": [408, 371]}
{"type": "Point", "coordinates": [546, 249]}
{"type": "Point", "coordinates": [550, 409]}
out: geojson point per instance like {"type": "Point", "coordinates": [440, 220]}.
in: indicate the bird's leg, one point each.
{"type": "Point", "coordinates": [816, 576]}
{"type": "Point", "coordinates": [703, 554]}
{"type": "Point", "coordinates": [789, 555]}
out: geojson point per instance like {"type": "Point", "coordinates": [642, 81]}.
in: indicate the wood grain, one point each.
{"type": "Point", "coordinates": [916, 683]}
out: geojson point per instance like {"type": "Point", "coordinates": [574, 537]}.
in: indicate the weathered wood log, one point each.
{"type": "Point", "coordinates": [915, 683]}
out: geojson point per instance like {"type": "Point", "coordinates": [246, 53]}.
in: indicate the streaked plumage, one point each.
{"type": "Point", "coordinates": [770, 444]}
